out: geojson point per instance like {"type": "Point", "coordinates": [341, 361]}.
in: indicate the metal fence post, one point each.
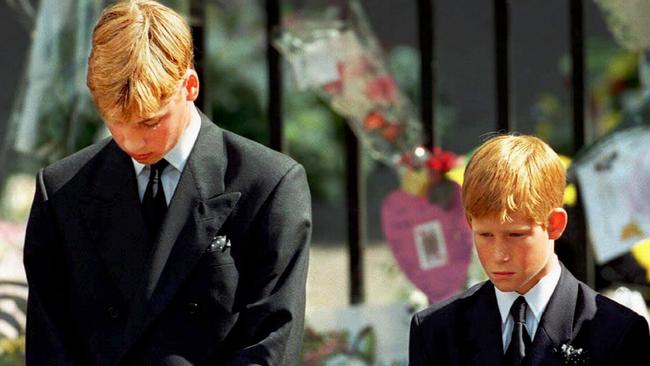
{"type": "Point", "coordinates": [585, 267]}
{"type": "Point", "coordinates": [275, 78]}
{"type": "Point", "coordinates": [502, 59]}
{"type": "Point", "coordinates": [426, 33]}
{"type": "Point", "coordinates": [197, 25]}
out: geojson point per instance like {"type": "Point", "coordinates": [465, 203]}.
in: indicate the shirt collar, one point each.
{"type": "Point", "coordinates": [537, 297]}
{"type": "Point", "coordinates": [178, 155]}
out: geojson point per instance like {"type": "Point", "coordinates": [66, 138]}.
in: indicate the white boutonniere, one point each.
{"type": "Point", "coordinates": [572, 356]}
{"type": "Point", "coordinates": [219, 243]}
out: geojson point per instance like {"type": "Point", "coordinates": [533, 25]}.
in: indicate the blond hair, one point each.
{"type": "Point", "coordinates": [140, 51]}
{"type": "Point", "coordinates": [509, 174]}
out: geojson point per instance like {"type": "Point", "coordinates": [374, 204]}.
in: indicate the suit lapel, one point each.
{"type": "Point", "coordinates": [484, 327]}
{"type": "Point", "coordinates": [110, 210]}
{"type": "Point", "coordinates": [557, 325]}
{"type": "Point", "coordinates": [560, 324]}
{"type": "Point", "coordinates": [197, 211]}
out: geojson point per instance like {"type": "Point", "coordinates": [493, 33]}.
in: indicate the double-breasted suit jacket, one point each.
{"type": "Point", "coordinates": [223, 284]}
{"type": "Point", "coordinates": [466, 330]}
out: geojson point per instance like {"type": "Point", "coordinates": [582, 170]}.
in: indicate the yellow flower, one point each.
{"type": "Point", "coordinates": [641, 252]}
{"type": "Point", "coordinates": [416, 182]}
{"type": "Point", "coordinates": [12, 346]}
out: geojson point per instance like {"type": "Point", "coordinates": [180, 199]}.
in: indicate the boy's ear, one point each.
{"type": "Point", "coordinates": [192, 85]}
{"type": "Point", "coordinates": [557, 221]}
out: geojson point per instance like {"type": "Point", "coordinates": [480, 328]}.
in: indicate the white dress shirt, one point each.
{"type": "Point", "coordinates": [537, 298]}
{"type": "Point", "coordinates": [177, 158]}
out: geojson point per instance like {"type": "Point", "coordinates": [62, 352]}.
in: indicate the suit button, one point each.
{"type": "Point", "coordinates": [113, 313]}
{"type": "Point", "coordinates": [192, 307]}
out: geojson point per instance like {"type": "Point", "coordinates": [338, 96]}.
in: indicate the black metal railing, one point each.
{"type": "Point", "coordinates": [426, 42]}
{"type": "Point", "coordinates": [580, 259]}
{"type": "Point", "coordinates": [582, 266]}
{"type": "Point", "coordinates": [276, 122]}
{"type": "Point", "coordinates": [197, 26]}
{"type": "Point", "coordinates": [502, 62]}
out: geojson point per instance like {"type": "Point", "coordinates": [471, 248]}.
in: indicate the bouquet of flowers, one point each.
{"type": "Point", "coordinates": [336, 348]}
{"type": "Point", "coordinates": [423, 221]}
{"type": "Point", "coordinates": [342, 61]}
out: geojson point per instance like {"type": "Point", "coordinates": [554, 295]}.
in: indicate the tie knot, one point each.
{"type": "Point", "coordinates": [159, 166]}
{"type": "Point", "coordinates": [518, 310]}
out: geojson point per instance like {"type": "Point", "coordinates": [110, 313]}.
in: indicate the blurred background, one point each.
{"type": "Point", "coordinates": [46, 114]}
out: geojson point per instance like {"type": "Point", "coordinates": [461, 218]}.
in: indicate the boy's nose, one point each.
{"type": "Point", "coordinates": [502, 252]}
{"type": "Point", "coordinates": [133, 143]}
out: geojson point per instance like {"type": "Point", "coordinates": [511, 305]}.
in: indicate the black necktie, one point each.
{"type": "Point", "coordinates": [154, 205]}
{"type": "Point", "coordinates": [520, 340]}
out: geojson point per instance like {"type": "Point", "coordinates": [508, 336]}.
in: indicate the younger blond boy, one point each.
{"type": "Point", "coordinates": [532, 311]}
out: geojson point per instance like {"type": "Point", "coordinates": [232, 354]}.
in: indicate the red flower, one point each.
{"type": "Point", "coordinates": [334, 87]}
{"type": "Point", "coordinates": [381, 89]}
{"type": "Point", "coordinates": [373, 121]}
{"type": "Point", "coordinates": [617, 86]}
{"type": "Point", "coordinates": [391, 132]}
{"type": "Point", "coordinates": [441, 161]}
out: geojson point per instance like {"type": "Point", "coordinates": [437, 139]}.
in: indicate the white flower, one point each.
{"type": "Point", "coordinates": [573, 356]}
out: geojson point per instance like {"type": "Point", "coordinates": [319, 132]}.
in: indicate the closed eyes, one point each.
{"type": "Point", "coordinates": [150, 123]}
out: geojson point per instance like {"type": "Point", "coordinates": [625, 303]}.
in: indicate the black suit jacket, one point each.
{"type": "Point", "coordinates": [98, 297]}
{"type": "Point", "coordinates": [466, 330]}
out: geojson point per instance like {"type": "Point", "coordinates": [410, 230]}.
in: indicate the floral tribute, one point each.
{"type": "Point", "coordinates": [425, 172]}
{"type": "Point", "coordinates": [423, 221]}
{"type": "Point", "coordinates": [339, 348]}
{"type": "Point", "coordinates": [343, 63]}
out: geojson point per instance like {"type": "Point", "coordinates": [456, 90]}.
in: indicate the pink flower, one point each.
{"type": "Point", "coordinates": [381, 89]}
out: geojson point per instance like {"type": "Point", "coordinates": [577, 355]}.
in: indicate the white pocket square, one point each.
{"type": "Point", "coordinates": [220, 243]}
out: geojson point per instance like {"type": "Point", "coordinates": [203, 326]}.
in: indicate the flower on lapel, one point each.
{"type": "Point", "coordinates": [219, 243]}
{"type": "Point", "coordinates": [573, 356]}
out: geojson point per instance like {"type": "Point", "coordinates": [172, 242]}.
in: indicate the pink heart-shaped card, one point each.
{"type": "Point", "coordinates": [432, 245]}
